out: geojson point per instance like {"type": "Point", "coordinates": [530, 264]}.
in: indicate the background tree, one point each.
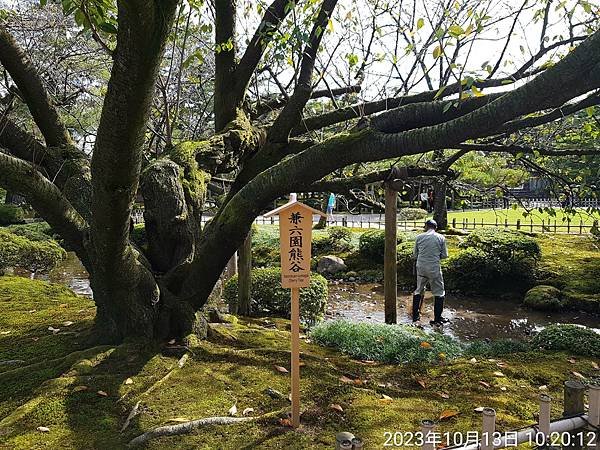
{"type": "Point", "coordinates": [264, 144]}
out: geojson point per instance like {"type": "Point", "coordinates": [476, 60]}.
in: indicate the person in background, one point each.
{"type": "Point", "coordinates": [430, 248]}
{"type": "Point", "coordinates": [423, 197]}
{"type": "Point", "coordinates": [330, 206]}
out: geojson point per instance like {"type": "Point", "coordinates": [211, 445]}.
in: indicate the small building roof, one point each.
{"type": "Point", "coordinates": [290, 204]}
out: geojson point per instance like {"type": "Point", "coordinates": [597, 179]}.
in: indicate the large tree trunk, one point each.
{"type": "Point", "coordinates": [440, 210]}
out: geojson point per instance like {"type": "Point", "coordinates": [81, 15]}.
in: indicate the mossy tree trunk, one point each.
{"type": "Point", "coordinates": [157, 291]}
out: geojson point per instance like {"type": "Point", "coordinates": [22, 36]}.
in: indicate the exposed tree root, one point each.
{"type": "Point", "coordinates": [134, 412]}
{"type": "Point", "coordinates": [186, 427]}
{"type": "Point", "coordinates": [136, 408]}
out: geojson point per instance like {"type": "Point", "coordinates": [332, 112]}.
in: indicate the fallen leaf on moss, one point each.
{"type": "Point", "coordinates": [499, 374]}
{"type": "Point", "coordinates": [484, 384]}
{"type": "Point", "coordinates": [425, 344]}
{"type": "Point", "coordinates": [448, 413]}
{"type": "Point", "coordinates": [247, 411]}
{"type": "Point", "coordinates": [386, 397]}
{"type": "Point", "coordinates": [68, 323]}
{"type": "Point", "coordinates": [281, 369]}
{"type": "Point", "coordinates": [336, 407]}
{"type": "Point", "coordinates": [421, 382]}
{"type": "Point", "coordinates": [80, 388]}
{"type": "Point", "coordinates": [595, 365]}
{"type": "Point", "coordinates": [444, 395]}
{"type": "Point", "coordinates": [572, 360]}
{"type": "Point", "coordinates": [543, 387]}
{"type": "Point", "coordinates": [345, 379]}
{"type": "Point", "coordinates": [102, 394]}
{"type": "Point", "coordinates": [43, 429]}
{"type": "Point", "coordinates": [128, 381]}
{"type": "Point", "coordinates": [578, 375]}
{"type": "Point", "coordinates": [473, 360]}
{"type": "Point", "coordinates": [479, 409]}
{"type": "Point", "coordinates": [285, 422]}
{"type": "Point", "coordinates": [233, 410]}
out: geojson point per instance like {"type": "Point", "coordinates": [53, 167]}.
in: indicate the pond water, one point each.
{"type": "Point", "coordinates": [470, 318]}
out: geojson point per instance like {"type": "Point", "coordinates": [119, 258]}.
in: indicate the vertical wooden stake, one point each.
{"type": "Point", "coordinates": [488, 429]}
{"type": "Point", "coordinates": [574, 392]}
{"type": "Point", "coordinates": [245, 276]}
{"type": "Point", "coordinates": [389, 261]}
{"type": "Point", "coordinates": [295, 357]}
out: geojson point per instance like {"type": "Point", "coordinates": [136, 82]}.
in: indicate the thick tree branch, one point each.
{"type": "Point", "coordinates": [292, 112]}
{"type": "Point", "coordinates": [32, 90]}
{"type": "Point", "coordinates": [267, 27]}
{"type": "Point", "coordinates": [369, 108]}
{"type": "Point", "coordinates": [23, 178]}
{"type": "Point", "coordinates": [514, 149]}
{"type": "Point", "coordinates": [226, 100]}
{"type": "Point", "coordinates": [576, 74]}
{"type": "Point", "coordinates": [279, 102]}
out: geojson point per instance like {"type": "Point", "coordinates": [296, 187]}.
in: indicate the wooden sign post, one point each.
{"type": "Point", "coordinates": [295, 234]}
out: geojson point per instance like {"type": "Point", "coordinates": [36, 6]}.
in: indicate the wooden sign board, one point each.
{"type": "Point", "coordinates": [295, 233]}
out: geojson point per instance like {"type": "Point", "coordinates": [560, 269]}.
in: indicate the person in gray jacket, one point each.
{"type": "Point", "coordinates": [430, 249]}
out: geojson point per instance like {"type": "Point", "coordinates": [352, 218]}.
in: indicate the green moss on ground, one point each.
{"type": "Point", "coordinates": [57, 387]}
{"type": "Point", "coordinates": [572, 264]}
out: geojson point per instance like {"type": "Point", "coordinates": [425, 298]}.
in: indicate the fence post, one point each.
{"type": "Point", "coordinates": [496, 221]}
{"type": "Point", "coordinates": [573, 404]}
{"type": "Point", "coordinates": [543, 225]}
{"type": "Point", "coordinates": [518, 224]}
{"type": "Point", "coordinates": [580, 226]}
{"type": "Point", "coordinates": [568, 225]}
{"type": "Point", "coordinates": [594, 411]}
{"type": "Point", "coordinates": [343, 441]}
{"type": "Point", "coordinates": [505, 222]}
{"type": "Point", "coordinates": [488, 429]}
{"type": "Point", "coordinates": [544, 418]}
{"type": "Point", "coordinates": [454, 222]}
{"type": "Point", "coordinates": [531, 225]}
{"type": "Point", "coordinates": [555, 225]}
{"type": "Point", "coordinates": [427, 428]}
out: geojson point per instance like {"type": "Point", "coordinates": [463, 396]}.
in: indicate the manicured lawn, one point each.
{"type": "Point", "coordinates": [489, 216]}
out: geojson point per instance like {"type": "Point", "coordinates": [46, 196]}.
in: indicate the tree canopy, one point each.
{"type": "Point", "coordinates": [105, 100]}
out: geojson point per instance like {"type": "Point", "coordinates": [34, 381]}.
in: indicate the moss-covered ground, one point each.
{"type": "Point", "coordinates": [83, 394]}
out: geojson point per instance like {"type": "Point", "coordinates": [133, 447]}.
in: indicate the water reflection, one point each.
{"type": "Point", "coordinates": [471, 317]}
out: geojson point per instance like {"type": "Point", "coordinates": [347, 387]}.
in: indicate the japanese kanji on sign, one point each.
{"type": "Point", "coordinates": [295, 233]}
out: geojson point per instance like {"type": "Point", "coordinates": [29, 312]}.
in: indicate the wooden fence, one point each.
{"type": "Point", "coordinates": [465, 224]}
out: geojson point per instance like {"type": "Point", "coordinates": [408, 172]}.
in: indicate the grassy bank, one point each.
{"type": "Point", "coordinates": [83, 395]}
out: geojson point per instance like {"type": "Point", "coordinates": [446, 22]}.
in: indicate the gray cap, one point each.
{"type": "Point", "coordinates": [431, 224]}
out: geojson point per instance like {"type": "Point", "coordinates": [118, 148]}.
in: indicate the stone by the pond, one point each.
{"type": "Point", "coordinates": [330, 264]}
{"type": "Point", "coordinates": [546, 298]}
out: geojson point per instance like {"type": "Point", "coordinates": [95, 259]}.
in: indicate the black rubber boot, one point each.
{"type": "Point", "coordinates": [438, 308]}
{"type": "Point", "coordinates": [416, 307]}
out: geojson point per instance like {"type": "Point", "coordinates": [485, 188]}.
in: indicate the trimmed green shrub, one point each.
{"type": "Point", "coordinates": [493, 260]}
{"type": "Point", "coordinates": [412, 214]}
{"type": "Point", "coordinates": [10, 214]}
{"type": "Point", "coordinates": [36, 231]}
{"type": "Point", "coordinates": [504, 244]}
{"type": "Point", "coordinates": [18, 251]}
{"type": "Point", "coordinates": [336, 240]}
{"type": "Point", "coordinates": [371, 244]}
{"type": "Point", "coordinates": [571, 338]}
{"type": "Point", "coordinates": [544, 298]}
{"type": "Point", "coordinates": [267, 297]}
{"type": "Point", "coordinates": [404, 258]}
{"type": "Point", "coordinates": [386, 343]}
{"type": "Point", "coordinates": [341, 234]}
